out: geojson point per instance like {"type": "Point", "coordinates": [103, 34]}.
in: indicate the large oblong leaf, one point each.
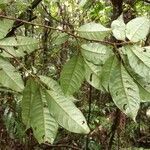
{"type": "Point", "coordinates": [139, 61]}
{"type": "Point", "coordinates": [35, 113]}
{"type": "Point", "coordinates": [118, 28]}
{"type": "Point", "coordinates": [51, 84]}
{"type": "Point", "coordinates": [124, 92]}
{"type": "Point", "coordinates": [18, 46]}
{"type": "Point", "coordinates": [137, 29]}
{"type": "Point", "coordinates": [72, 75]}
{"type": "Point", "coordinates": [5, 26]}
{"type": "Point", "coordinates": [144, 87]}
{"type": "Point", "coordinates": [96, 53]}
{"type": "Point", "coordinates": [54, 86]}
{"type": "Point", "coordinates": [143, 83]}
{"type": "Point", "coordinates": [107, 71]}
{"type": "Point", "coordinates": [93, 31]}
{"type": "Point", "coordinates": [66, 113]}
{"type": "Point", "coordinates": [144, 92]}
{"type": "Point", "coordinates": [9, 76]}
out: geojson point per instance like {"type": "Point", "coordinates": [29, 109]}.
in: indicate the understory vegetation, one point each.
{"type": "Point", "coordinates": [74, 74]}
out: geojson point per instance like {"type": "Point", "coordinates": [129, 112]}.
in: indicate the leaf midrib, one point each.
{"type": "Point", "coordinates": [128, 99]}
{"type": "Point", "coordinates": [18, 85]}
{"type": "Point", "coordinates": [70, 79]}
{"type": "Point", "coordinates": [137, 29]}
{"type": "Point", "coordinates": [57, 103]}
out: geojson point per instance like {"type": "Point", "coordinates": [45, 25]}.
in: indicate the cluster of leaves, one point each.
{"type": "Point", "coordinates": [39, 106]}
{"type": "Point", "coordinates": [122, 69]}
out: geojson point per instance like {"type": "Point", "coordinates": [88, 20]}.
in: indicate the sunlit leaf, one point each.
{"type": "Point", "coordinates": [66, 113]}
{"type": "Point", "coordinates": [51, 84]}
{"type": "Point", "coordinates": [5, 26]}
{"type": "Point", "coordinates": [35, 113]}
{"type": "Point", "coordinates": [93, 31]}
{"type": "Point", "coordinates": [18, 46]}
{"type": "Point", "coordinates": [82, 3]}
{"type": "Point", "coordinates": [96, 53]}
{"type": "Point", "coordinates": [139, 61]}
{"type": "Point", "coordinates": [144, 93]}
{"type": "Point", "coordinates": [137, 29]}
{"type": "Point", "coordinates": [144, 87]}
{"type": "Point", "coordinates": [118, 28]}
{"type": "Point", "coordinates": [124, 91]}
{"type": "Point", "coordinates": [9, 76]}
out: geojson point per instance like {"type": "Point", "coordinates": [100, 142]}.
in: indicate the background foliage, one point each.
{"type": "Point", "coordinates": [74, 74]}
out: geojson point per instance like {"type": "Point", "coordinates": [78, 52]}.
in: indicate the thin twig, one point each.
{"type": "Point", "coordinates": [61, 30]}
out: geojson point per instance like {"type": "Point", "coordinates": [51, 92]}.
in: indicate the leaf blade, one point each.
{"type": "Point", "coordinates": [96, 53]}
{"type": "Point", "coordinates": [35, 113]}
{"type": "Point", "coordinates": [18, 46]}
{"type": "Point", "coordinates": [66, 113]}
{"type": "Point", "coordinates": [107, 71]}
{"type": "Point", "coordinates": [93, 75]}
{"type": "Point", "coordinates": [93, 31]}
{"type": "Point", "coordinates": [118, 28]}
{"type": "Point", "coordinates": [139, 61]}
{"type": "Point", "coordinates": [10, 77]}
{"type": "Point", "coordinates": [72, 75]}
{"type": "Point", "coordinates": [124, 92]}
{"type": "Point", "coordinates": [137, 29]}
{"type": "Point", "coordinates": [5, 26]}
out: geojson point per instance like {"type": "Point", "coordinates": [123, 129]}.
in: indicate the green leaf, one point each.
{"type": "Point", "coordinates": [118, 28]}
{"type": "Point", "coordinates": [146, 50]}
{"type": "Point", "coordinates": [124, 91]}
{"type": "Point", "coordinates": [9, 76]}
{"type": "Point", "coordinates": [139, 61]}
{"type": "Point", "coordinates": [82, 3]}
{"type": "Point", "coordinates": [144, 87]}
{"type": "Point", "coordinates": [29, 94]}
{"type": "Point", "coordinates": [93, 75]}
{"type": "Point", "coordinates": [144, 93]}
{"type": "Point", "coordinates": [72, 75]}
{"type": "Point", "coordinates": [51, 84]}
{"type": "Point", "coordinates": [35, 113]}
{"type": "Point", "coordinates": [4, 1]}
{"type": "Point", "coordinates": [60, 38]}
{"type": "Point", "coordinates": [137, 29]}
{"type": "Point", "coordinates": [66, 113]}
{"type": "Point", "coordinates": [143, 84]}
{"type": "Point", "coordinates": [96, 53]}
{"type": "Point", "coordinates": [107, 71]}
{"type": "Point", "coordinates": [5, 26]}
{"type": "Point", "coordinates": [93, 31]}
{"type": "Point", "coordinates": [18, 46]}
{"type": "Point", "coordinates": [54, 86]}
